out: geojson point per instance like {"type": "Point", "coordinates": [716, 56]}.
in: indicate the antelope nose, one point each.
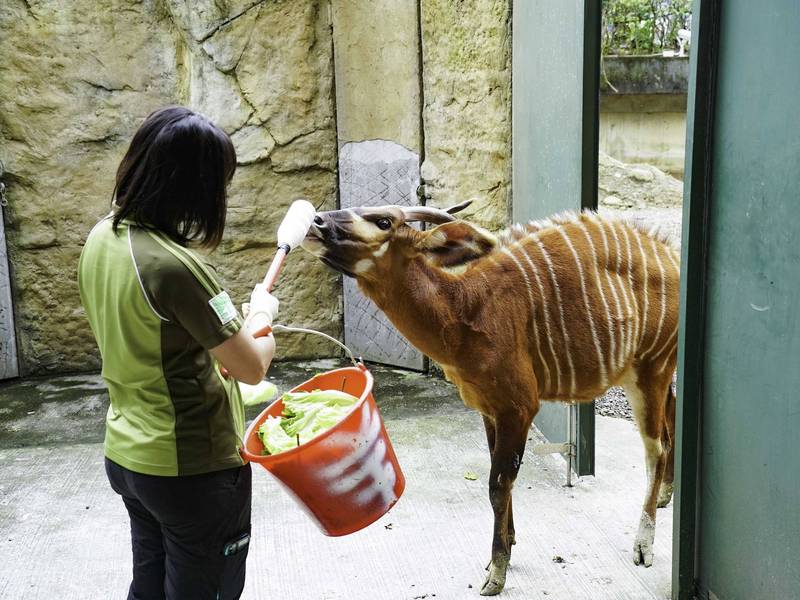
{"type": "Point", "coordinates": [319, 227]}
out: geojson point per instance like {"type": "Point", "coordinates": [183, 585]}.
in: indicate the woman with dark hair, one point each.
{"type": "Point", "coordinates": [164, 326]}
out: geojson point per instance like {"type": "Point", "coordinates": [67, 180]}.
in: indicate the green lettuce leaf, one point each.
{"type": "Point", "coordinates": [305, 416]}
{"type": "Point", "coordinates": [261, 393]}
{"type": "Point", "coordinates": [273, 436]}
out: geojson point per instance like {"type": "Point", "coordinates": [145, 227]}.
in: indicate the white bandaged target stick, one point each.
{"type": "Point", "coordinates": [291, 232]}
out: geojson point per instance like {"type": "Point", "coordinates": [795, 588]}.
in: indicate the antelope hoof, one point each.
{"type": "Point", "coordinates": [495, 580]}
{"type": "Point", "coordinates": [664, 494]}
{"type": "Point", "coordinates": [643, 553]}
{"type": "Point", "coordinates": [643, 546]}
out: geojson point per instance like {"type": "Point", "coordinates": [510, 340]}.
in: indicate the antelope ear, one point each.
{"type": "Point", "coordinates": [456, 243]}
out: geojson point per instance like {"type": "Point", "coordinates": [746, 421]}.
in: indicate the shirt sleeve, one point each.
{"type": "Point", "coordinates": [185, 291]}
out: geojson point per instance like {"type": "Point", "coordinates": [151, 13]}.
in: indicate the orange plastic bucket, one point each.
{"type": "Point", "coordinates": [347, 477]}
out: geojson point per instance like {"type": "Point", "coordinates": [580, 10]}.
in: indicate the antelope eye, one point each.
{"type": "Point", "coordinates": [384, 224]}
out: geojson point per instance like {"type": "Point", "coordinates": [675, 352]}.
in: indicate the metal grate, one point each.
{"type": "Point", "coordinates": [375, 173]}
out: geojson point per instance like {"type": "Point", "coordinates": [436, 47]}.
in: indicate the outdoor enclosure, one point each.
{"type": "Point", "coordinates": [351, 103]}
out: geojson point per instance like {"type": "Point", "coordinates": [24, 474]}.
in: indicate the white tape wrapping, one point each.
{"type": "Point", "coordinates": [295, 224]}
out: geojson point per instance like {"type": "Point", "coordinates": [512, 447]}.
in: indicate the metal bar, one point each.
{"type": "Point", "coordinates": [584, 439]}
{"type": "Point", "coordinates": [694, 261]}
{"type": "Point", "coordinates": [590, 132]}
{"type": "Point", "coordinates": [584, 416]}
{"type": "Point", "coordinates": [9, 362]}
{"type": "Point", "coordinates": [572, 427]}
{"type": "Point", "coordinates": [542, 449]}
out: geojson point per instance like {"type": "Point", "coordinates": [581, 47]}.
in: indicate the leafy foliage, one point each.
{"type": "Point", "coordinates": [643, 26]}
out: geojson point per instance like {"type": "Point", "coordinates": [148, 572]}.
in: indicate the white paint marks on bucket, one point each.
{"type": "Point", "coordinates": [364, 471]}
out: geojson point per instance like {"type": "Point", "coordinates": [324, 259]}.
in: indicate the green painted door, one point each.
{"type": "Point", "coordinates": [555, 67]}
{"type": "Point", "coordinates": [737, 531]}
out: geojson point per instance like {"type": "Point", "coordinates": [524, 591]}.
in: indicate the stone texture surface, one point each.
{"type": "Point", "coordinates": [467, 106]}
{"type": "Point", "coordinates": [265, 70]}
{"type": "Point", "coordinates": [376, 47]}
{"type": "Point", "coordinates": [376, 53]}
{"type": "Point", "coordinates": [638, 186]}
{"type": "Point", "coordinates": [78, 78]}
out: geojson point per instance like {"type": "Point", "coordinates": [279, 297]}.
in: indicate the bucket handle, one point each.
{"type": "Point", "coordinates": [355, 361]}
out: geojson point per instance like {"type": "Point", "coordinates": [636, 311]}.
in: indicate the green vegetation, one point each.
{"type": "Point", "coordinates": [305, 416]}
{"type": "Point", "coordinates": [261, 393]}
{"type": "Point", "coordinates": [640, 27]}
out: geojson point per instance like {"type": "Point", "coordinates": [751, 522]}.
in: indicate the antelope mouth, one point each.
{"type": "Point", "coordinates": [314, 232]}
{"type": "Point", "coordinates": [315, 244]}
{"type": "Point", "coordinates": [335, 266]}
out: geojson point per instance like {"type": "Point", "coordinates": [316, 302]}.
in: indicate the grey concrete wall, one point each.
{"type": "Point", "coordinates": [376, 50]}
{"type": "Point", "coordinates": [643, 110]}
{"type": "Point", "coordinates": [466, 70]}
{"type": "Point", "coordinates": [646, 136]}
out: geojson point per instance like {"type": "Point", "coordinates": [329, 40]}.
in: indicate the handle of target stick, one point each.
{"type": "Point", "coordinates": [269, 281]}
{"type": "Point", "coordinates": [275, 267]}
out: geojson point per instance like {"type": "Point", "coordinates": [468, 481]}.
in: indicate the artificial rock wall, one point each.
{"type": "Point", "coordinates": [77, 80]}
{"type": "Point", "coordinates": [466, 72]}
{"type": "Point", "coordinates": [78, 77]}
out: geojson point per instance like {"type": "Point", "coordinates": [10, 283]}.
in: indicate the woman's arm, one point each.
{"type": "Point", "coordinates": [246, 358]}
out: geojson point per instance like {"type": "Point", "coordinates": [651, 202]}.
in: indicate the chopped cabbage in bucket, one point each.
{"type": "Point", "coordinates": [305, 416]}
{"type": "Point", "coordinates": [261, 393]}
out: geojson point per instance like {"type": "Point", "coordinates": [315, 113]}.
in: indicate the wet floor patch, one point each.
{"type": "Point", "coordinates": [71, 409]}
{"type": "Point", "coordinates": [53, 410]}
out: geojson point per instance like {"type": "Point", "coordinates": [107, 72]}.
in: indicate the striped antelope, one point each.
{"type": "Point", "coordinates": [559, 309]}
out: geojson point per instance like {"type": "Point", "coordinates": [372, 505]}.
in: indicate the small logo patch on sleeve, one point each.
{"type": "Point", "coordinates": [223, 307]}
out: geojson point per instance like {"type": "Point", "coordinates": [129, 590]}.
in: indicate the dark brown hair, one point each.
{"type": "Point", "coordinates": [174, 176]}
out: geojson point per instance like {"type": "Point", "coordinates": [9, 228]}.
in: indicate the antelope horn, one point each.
{"type": "Point", "coordinates": [458, 207]}
{"type": "Point", "coordinates": [430, 214]}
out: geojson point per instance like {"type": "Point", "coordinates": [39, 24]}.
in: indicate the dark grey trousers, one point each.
{"type": "Point", "coordinates": [189, 534]}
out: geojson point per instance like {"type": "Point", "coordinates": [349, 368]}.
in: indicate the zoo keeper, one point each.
{"type": "Point", "coordinates": [164, 324]}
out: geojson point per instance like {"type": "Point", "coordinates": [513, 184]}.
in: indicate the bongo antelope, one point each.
{"type": "Point", "coordinates": [558, 309]}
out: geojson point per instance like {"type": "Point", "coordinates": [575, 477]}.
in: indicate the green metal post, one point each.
{"type": "Point", "coordinates": [694, 265]}
{"type": "Point", "coordinates": [555, 141]}
{"type": "Point", "coordinates": [585, 425]}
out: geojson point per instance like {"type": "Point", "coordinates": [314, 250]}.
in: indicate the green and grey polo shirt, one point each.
{"type": "Point", "coordinates": [156, 308]}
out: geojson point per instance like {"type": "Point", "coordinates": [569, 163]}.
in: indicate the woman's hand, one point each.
{"type": "Point", "coordinates": [261, 311]}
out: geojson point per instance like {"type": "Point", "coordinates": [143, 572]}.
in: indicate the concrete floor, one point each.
{"type": "Point", "coordinates": [64, 533]}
